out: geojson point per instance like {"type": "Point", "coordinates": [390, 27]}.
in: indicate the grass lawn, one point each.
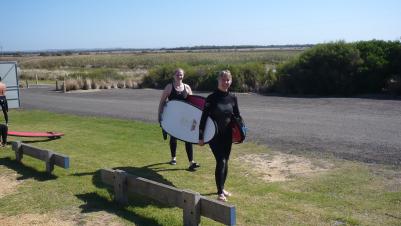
{"type": "Point", "coordinates": [344, 192]}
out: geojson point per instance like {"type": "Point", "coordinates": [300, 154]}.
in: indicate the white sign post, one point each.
{"type": "Point", "coordinates": [9, 76]}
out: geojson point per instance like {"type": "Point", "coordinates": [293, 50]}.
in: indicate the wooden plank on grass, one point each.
{"type": "Point", "coordinates": [41, 154]}
{"type": "Point", "coordinates": [140, 186]}
{"type": "Point", "coordinates": [218, 211]}
{"type": "Point", "coordinates": [160, 192]}
{"type": "Point", "coordinates": [107, 176]}
{"type": "Point", "coordinates": [191, 202]}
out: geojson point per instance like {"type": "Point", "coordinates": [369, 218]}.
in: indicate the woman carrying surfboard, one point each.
{"type": "Point", "coordinates": [177, 90]}
{"type": "Point", "coordinates": [221, 105]}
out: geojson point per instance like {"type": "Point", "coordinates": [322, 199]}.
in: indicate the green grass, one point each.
{"type": "Point", "coordinates": [352, 193]}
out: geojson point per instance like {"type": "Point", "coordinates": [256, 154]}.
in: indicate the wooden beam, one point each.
{"type": "Point", "coordinates": [184, 199]}
{"type": "Point", "coordinates": [219, 211]}
{"type": "Point", "coordinates": [51, 158]}
{"type": "Point", "coordinates": [157, 191]}
{"type": "Point", "coordinates": [141, 186]}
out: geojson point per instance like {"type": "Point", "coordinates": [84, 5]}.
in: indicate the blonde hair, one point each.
{"type": "Point", "coordinates": [179, 69]}
{"type": "Point", "coordinates": [225, 72]}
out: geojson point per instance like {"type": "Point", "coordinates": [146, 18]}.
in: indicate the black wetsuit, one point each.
{"type": "Point", "coordinates": [4, 107]}
{"type": "Point", "coordinates": [177, 95]}
{"type": "Point", "coordinates": [3, 132]}
{"type": "Point", "coordinates": [221, 107]}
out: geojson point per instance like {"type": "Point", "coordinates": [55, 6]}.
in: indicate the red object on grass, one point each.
{"type": "Point", "coordinates": [35, 134]}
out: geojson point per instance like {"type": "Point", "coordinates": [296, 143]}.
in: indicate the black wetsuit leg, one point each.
{"type": "Point", "coordinates": [173, 146]}
{"type": "Point", "coordinates": [221, 148]}
{"type": "Point", "coordinates": [4, 107]}
{"type": "Point", "coordinates": [5, 113]}
{"type": "Point", "coordinates": [190, 151]}
{"type": "Point", "coordinates": [4, 130]}
{"type": "Point", "coordinates": [188, 148]}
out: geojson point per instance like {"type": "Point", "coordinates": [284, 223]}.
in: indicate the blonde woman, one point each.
{"type": "Point", "coordinates": [221, 106]}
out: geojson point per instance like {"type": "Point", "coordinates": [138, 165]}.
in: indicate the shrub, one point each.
{"type": "Point", "coordinates": [342, 69]}
{"type": "Point", "coordinates": [326, 69]}
{"type": "Point", "coordinates": [246, 77]}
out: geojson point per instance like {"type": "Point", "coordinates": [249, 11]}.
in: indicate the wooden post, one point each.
{"type": "Point", "coordinates": [49, 162]}
{"type": "Point", "coordinates": [18, 150]}
{"type": "Point", "coordinates": [191, 208]}
{"type": "Point", "coordinates": [57, 88]}
{"type": "Point", "coordinates": [36, 77]}
{"type": "Point", "coordinates": [120, 187]}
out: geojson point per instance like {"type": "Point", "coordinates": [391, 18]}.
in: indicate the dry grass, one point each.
{"type": "Point", "coordinates": [8, 182]}
{"type": "Point", "coordinates": [273, 167]}
{"type": "Point", "coordinates": [69, 218]}
{"type": "Point", "coordinates": [87, 84]}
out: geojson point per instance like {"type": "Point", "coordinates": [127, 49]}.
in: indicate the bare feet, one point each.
{"type": "Point", "coordinates": [226, 193]}
{"type": "Point", "coordinates": [222, 197]}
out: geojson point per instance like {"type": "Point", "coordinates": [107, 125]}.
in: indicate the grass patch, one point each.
{"type": "Point", "coordinates": [349, 193]}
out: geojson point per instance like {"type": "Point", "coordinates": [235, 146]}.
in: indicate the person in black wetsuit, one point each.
{"type": "Point", "coordinates": [177, 90]}
{"type": "Point", "coordinates": [3, 100]}
{"type": "Point", "coordinates": [3, 133]}
{"type": "Point", "coordinates": [4, 108]}
{"type": "Point", "coordinates": [221, 106]}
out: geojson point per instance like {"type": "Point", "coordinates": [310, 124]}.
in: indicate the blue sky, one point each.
{"type": "Point", "coordinates": [70, 24]}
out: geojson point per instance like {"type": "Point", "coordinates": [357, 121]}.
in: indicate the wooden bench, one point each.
{"type": "Point", "coordinates": [193, 204]}
{"type": "Point", "coordinates": [49, 157]}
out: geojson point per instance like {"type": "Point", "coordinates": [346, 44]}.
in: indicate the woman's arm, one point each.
{"type": "Point", "coordinates": [163, 98]}
{"type": "Point", "coordinates": [205, 114]}
{"type": "Point", "coordinates": [188, 90]}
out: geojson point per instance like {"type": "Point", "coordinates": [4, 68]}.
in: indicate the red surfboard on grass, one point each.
{"type": "Point", "coordinates": [35, 134]}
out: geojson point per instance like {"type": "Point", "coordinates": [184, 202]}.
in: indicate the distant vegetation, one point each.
{"type": "Point", "coordinates": [253, 76]}
{"type": "Point", "coordinates": [343, 69]}
{"type": "Point", "coordinates": [336, 68]}
{"type": "Point", "coordinates": [107, 70]}
{"type": "Point", "coordinates": [149, 60]}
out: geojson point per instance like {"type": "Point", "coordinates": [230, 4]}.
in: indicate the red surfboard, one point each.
{"type": "Point", "coordinates": [196, 100]}
{"type": "Point", "coordinates": [238, 136]}
{"type": "Point", "coordinates": [35, 134]}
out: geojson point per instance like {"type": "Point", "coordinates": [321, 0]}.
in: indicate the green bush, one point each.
{"type": "Point", "coordinates": [326, 69]}
{"type": "Point", "coordinates": [246, 77]}
{"type": "Point", "coordinates": [375, 69]}
{"type": "Point", "coordinates": [341, 68]}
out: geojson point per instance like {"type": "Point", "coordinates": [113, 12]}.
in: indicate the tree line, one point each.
{"type": "Point", "coordinates": [336, 68]}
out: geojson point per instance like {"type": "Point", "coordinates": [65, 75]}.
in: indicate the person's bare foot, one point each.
{"type": "Point", "coordinates": [222, 197]}
{"type": "Point", "coordinates": [226, 193]}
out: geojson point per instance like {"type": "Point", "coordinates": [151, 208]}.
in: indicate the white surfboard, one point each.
{"type": "Point", "coordinates": [181, 120]}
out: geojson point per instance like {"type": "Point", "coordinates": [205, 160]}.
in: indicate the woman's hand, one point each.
{"type": "Point", "coordinates": [201, 142]}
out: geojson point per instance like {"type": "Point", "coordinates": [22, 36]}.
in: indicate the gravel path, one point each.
{"type": "Point", "coordinates": [362, 129]}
